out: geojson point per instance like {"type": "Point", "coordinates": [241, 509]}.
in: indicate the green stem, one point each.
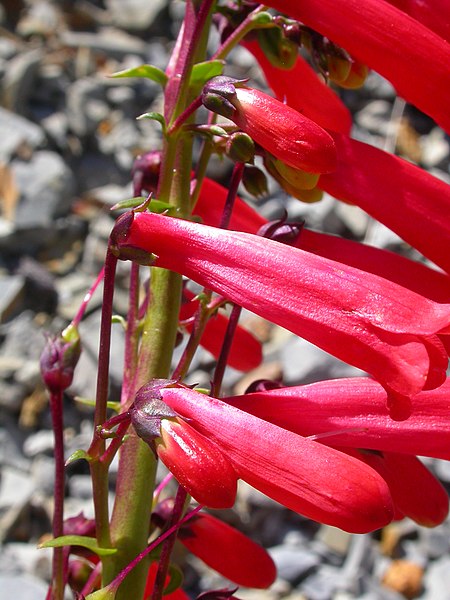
{"type": "Point", "coordinates": [137, 466]}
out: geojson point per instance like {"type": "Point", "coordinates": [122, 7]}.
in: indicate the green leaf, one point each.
{"type": "Point", "coordinates": [78, 540]}
{"type": "Point", "coordinates": [176, 580]}
{"type": "Point", "coordinates": [154, 116]}
{"type": "Point", "coordinates": [90, 402]}
{"type": "Point", "coordinates": [129, 203]}
{"type": "Point", "coordinates": [218, 130]}
{"type": "Point", "coordinates": [156, 206]}
{"type": "Point", "coordinates": [78, 455]}
{"type": "Point", "coordinates": [204, 71]}
{"type": "Point", "coordinates": [144, 71]}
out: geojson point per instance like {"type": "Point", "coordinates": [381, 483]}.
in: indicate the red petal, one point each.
{"type": "Point", "coordinates": [434, 14]}
{"type": "Point", "coordinates": [229, 552]}
{"type": "Point", "coordinates": [310, 478]}
{"type": "Point", "coordinates": [415, 491]}
{"type": "Point", "coordinates": [413, 58]}
{"type": "Point", "coordinates": [360, 318]}
{"type": "Point", "coordinates": [352, 412]}
{"type": "Point", "coordinates": [409, 201]}
{"type": "Point", "coordinates": [311, 97]}
{"type": "Point", "coordinates": [197, 464]}
{"type": "Point", "coordinates": [284, 132]}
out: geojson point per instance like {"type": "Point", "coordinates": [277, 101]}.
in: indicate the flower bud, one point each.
{"type": "Point", "coordinates": [281, 51]}
{"type": "Point", "coordinates": [145, 172]}
{"type": "Point", "coordinates": [281, 231]}
{"type": "Point", "coordinates": [255, 181]}
{"type": "Point", "coordinates": [296, 177]}
{"type": "Point", "coordinates": [148, 410]}
{"type": "Point", "coordinates": [356, 77]}
{"type": "Point", "coordinates": [59, 359]}
{"type": "Point", "coordinates": [240, 147]}
{"type": "Point", "coordinates": [197, 463]}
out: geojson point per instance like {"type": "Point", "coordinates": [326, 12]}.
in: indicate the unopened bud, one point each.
{"type": "Point", "coordinates": [148, 410]}
{"type": "Point", "coordinates": [356, 77]}
{"type": "Point", "coordinates": [145, 172]}
{"type": "Point", "coordinates": [296, 177]}
{"type": "Point", "coordinates": [59, 359]}
{"type": "Point", "coordinates": [255, 181]}
{"type": "Point", "coordinates": [240, 147]}
{"type": "Point", "coordinates": [281, 231]}
{"type": "Point", "coordinates": [279, 50]}
{"type": "Point", "coordinates": [263, 385]}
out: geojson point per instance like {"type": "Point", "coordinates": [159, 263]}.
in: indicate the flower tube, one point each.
{"type": "Point", "coordinates": [309, 96]}
{"type": "Point", "coordinates": [405, 198]}
{"type": "Point", "coordinates": [411, 56]}
{"type": "Point", "coordinates": [415, 490]}
{"type": "Point", "coordinates": [352, 413]}
{"type": "Point", "coordinates": [434, 14]}
{"type": "Point", "coordinates": [228, 551]}
{"type": "Point", "coordinates": [365, 320]}
{"type": "Point", "coordinates": [279, 129]}
{"type": "Point", "coordinates": [312, 479]}
{"type": "Point", "coordinates": [407, 273]}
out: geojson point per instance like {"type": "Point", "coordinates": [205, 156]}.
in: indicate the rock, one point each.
{"type": "Point", "coordinates": [86, 105]}
{"type": "Point", "coordinates": [16, 487]}
{"type": "Point", "coordinates": [46, 187]}
{"type": "Point", "coordinates": [293, 564]}
{"type": "Point", "coordinates": [375, 117]}
{"type": "Point", "coordinates": [322, 584]}
{"type": "Point", "coordinates": [404, 577]}
{"type": "Point", "coordinates": [39, 442]}
{"type": "Point", "coordinates": [134, 14]}
{"type": "Point", "coordinates": [305, 363]}
{"type": "Point", "coordinates": [109, 41]}
{"type": "Point", "coordinates": [20, 79]}
{"type": "Point", "coordinates": [437, 580]}
{"type": "Point", "coordinates": [16, 132]}
{"type": "Point", "coordinates": [24, 587]}
{"type": "Point", "coordinates": [12, 296]}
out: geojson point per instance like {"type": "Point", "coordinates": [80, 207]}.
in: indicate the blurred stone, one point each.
{"type": "Point", "coordinates": [437, 580]}
{"type": "Point", "coordinates": [16, 131]}
{"type": "Point", "coordinates": [134, 14]}
{"type": "Point", "coordinates": [293, 564]}
{"type": "Point", "coordinates": [12, 296]}
{"type": "Point", "coordinates": [46, 186]}
{"type": "Point", "coordinates": [110, 41]}
{"type": "Point", "coordinates": [305, 363]}
{"type": "Point", "coordinates": [404, 577]}
{"type": "Point", "coordinates": [15, 487]}
{"type": "Point", "coordinates": [19, 80]}
{"type": "Point", "coordinates": [24, 587]}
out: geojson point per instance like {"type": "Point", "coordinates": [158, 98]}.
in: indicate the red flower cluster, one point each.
{"type": "Point", "coordinates": [331, 450]}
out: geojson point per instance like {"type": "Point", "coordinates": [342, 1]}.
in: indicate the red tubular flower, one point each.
{"type": "Point", "coordinates": [415, 490]}
{"type": "Point", "coordinates": [351, 413]}
{"type": "Point", "coordinates": [228, 551]}
{"type": "Point", "coordinates": [197, 464]}
{"type": "Point", "coordinates": [307, 477]}
{"type": "Point", "coordinates": [434, 14]}
{"type": "Point", "coordinates": [309, 96]}
{"type": "Point", "coordinates": [412, 57]}
{"type": "Point", "coordinates": [404, 197]}
{"type": "Point", "coordinates": [279, 129]}
{"type": "Point", "coordinates": [407, 273]}
{"type": "Point", "coordinates": [365, 320]}
{"type": "Point", "coordinates": [245, 352]}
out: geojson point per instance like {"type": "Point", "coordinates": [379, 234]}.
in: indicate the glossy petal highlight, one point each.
{"type": "Point", "coordinates": [307, 477]}
{"type": "Point", "coordinates": [365, 320]}
{"type": "Point", "coordinates": [352, 412]}
{"type": "Point", "coordinates": [412, 57]}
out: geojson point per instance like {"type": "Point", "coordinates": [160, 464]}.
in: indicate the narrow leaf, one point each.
{"type": "Point", "coordinates": [144, 71]}
{"type": "Point", "coordinates": [78, 455]}
{"type": "Point", "coordinates": [78, 540]}
{"type": "Point", "coordinates": [204, 71]}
